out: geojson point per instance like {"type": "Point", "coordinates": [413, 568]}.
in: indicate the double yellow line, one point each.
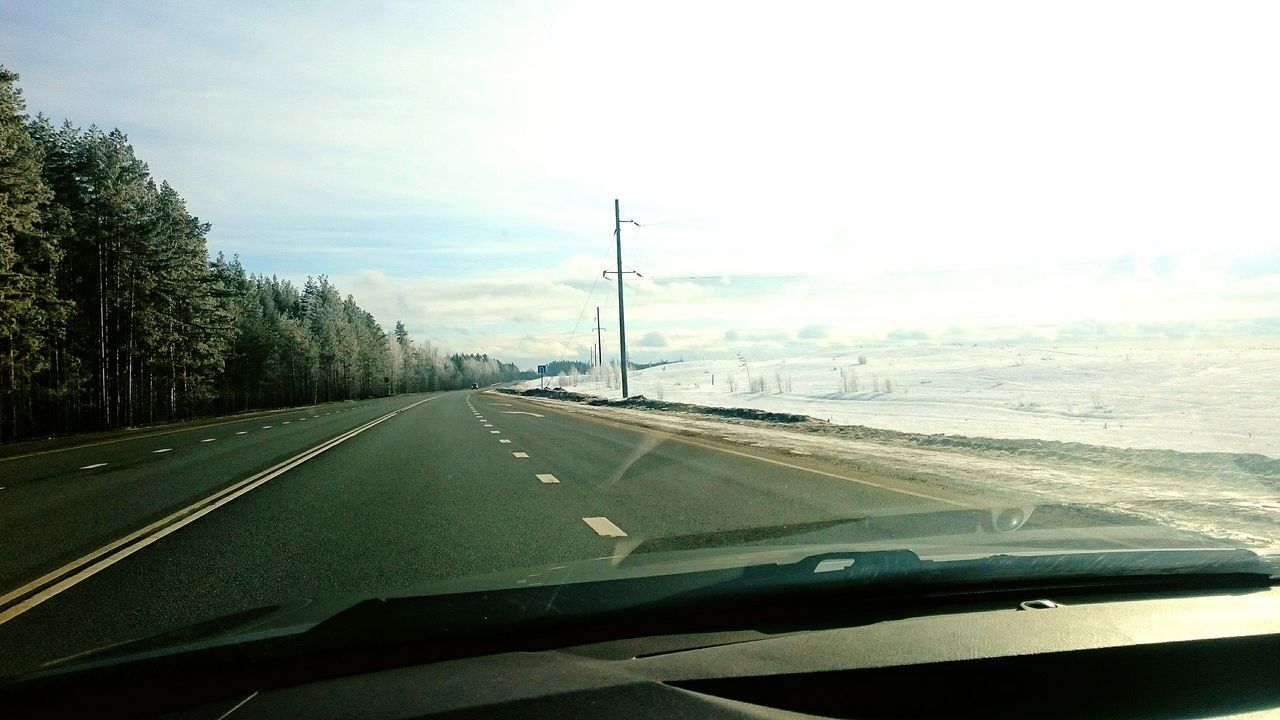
{"type": "Point", "coordinates": [76, 571]}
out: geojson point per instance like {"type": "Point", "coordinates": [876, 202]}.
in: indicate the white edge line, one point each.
{"type": "Point", "coordinates": [88, 467]}
{"type": "Point", "coordinates": [162, 527]}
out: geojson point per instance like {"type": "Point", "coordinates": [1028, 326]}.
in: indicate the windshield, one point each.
{"type": "Point", "coordinates": [346, 302]}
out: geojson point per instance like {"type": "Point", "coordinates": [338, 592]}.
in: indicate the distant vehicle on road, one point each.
{"type": "Point", "coordinates": [475, 386]}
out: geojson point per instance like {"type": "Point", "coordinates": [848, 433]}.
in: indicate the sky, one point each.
{"type": "Point", "coordinates": [803, 176]}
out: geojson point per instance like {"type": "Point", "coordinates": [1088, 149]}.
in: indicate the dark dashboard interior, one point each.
{"type": "Point", "coordinates": [1215, 655]}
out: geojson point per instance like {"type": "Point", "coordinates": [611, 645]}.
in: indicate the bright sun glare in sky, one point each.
{"type": "Point", "coordinates": [804, 175]}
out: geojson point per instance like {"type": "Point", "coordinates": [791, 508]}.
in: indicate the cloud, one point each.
{"type": "Point", "coordinates": [653, 339]}
{"type": "Point", "coordinates": [452, 165]}
{"type": "Point", "coordinates": [903, 334]}
{"type": "Point", "coordinates": [531, 317]}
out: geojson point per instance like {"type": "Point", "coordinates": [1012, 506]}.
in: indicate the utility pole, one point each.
{"type": "Point", "coordinates": [599, 344]}
{"type": "Point", "coordinates": [622, 322]}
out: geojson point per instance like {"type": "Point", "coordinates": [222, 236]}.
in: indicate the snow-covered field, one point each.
{"type": "Point", "coordinates": [1185, 397]}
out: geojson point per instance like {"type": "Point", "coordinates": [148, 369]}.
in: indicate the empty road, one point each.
{"type": "Point", "coordinates": [112, 541]}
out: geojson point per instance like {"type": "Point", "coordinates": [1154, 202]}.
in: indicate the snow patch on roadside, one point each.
{"type": "Point", "coordinates": [1180, 396]}
{"type": "Point", "coordinates": [1224, 495]}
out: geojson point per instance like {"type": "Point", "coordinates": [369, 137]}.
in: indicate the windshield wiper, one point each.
{"type": "Point", "coordinates": [899, 567]}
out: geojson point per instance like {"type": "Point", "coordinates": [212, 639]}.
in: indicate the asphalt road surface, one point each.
{"type": "Point", "coordinates": [112, 541]}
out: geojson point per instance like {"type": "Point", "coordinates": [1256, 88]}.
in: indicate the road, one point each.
{"type": "Point", "coordinates": [109, 542]}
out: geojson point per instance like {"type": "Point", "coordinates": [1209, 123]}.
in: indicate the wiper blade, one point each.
{"type": "Point", "coordinates": [525, 617]}
{"type": "Point", "coordinates": [902, 570]}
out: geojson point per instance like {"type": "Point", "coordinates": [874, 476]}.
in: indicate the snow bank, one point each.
{"type": "Point", "coordinates": [1225, 495]}
{"type": "Point", "coordinates": [1180, 397]}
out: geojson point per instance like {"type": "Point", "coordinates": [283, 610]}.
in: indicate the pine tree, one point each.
{"type": "Point", "coordinates": [31, 315]}
{"type": "Point", "coordinates": [111, 312]}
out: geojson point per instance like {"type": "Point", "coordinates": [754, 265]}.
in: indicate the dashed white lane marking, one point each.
{"type": "Point", "coordinates": [90, 467]}
{"type": "Point", "coordinates": [266, 427]}
{"type": "Point", "coordinates": [153, 452]}
{"type": "Point", "coordinates": [520, 454]}
{"type": "Point", "coordinates": [243, 432]}
{"type": "Point", "coordinates": [603, 527]}
{"type": "Point", "coordinates": [520, 412]}
{"type": "Point", "coordinates": [76, 571]}
{"type": "Point", "coordinates": [495, 432]}
{"type": "Point", "coordinates": [131, 437]}
{"type": "Point", "coordinates": [547, 478]}
{"type": "Point", "coordinates": [286, 422]}
{"type": "Point", "coordinates": [208, 440]}
{"type": "Point", "coordinates": [488, 425]}
{"type": "Point", "coordinates": [504, 441]}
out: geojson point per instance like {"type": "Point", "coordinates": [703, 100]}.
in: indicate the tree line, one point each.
{"type": "Point", "coordinates": [112, 313]}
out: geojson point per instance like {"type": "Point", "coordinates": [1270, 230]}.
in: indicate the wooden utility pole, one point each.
{"type": "Point", "coordinates": [622, 321]}
{"type": "Point", "coordinates": [599, 343]}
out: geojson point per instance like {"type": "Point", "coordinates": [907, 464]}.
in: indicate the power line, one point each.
{"type": "Point", "coordinates": [732, 276]}
{"type": "Point", "coordinates": [681, 222]}
{"type": "Point", "coordinates": [564, 350]}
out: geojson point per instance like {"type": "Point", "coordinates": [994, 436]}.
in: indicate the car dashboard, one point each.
{"type": "Point", "coordinates": [1215, 655]}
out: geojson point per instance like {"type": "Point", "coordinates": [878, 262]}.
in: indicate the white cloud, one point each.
{"type": "Point", "coordinates": [863, 168]}
{"type": "Point", "coordinates": [652, 340]}
{"type": "Point", "coordinates": [532, 318]}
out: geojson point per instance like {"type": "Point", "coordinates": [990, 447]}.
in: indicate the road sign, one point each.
{"type": "Point", "coordinates": [542, 369]}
